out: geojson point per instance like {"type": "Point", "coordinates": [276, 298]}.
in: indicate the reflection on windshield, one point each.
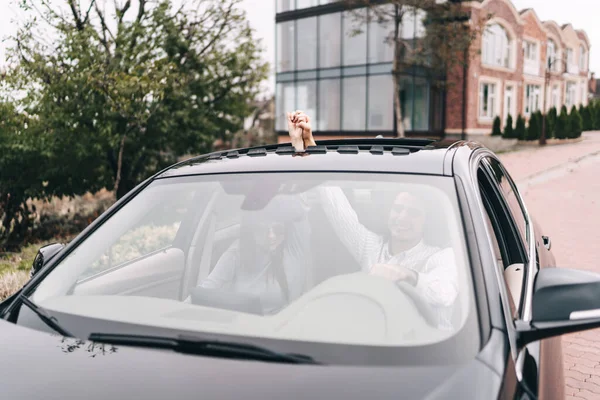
{"type": "Point", "coordinates": [324, 257]}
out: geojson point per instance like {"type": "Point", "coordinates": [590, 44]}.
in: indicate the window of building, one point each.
{"type": "Point", "coordinates": [306, 3]}
{"type": "Point", "coordinates": [381, 103]}
{"type": "Point", "coordinates": [582, 92]}
{"type": "Point", "coordinates": [530, 48]}
{"type": "Point", "coordinates": [570, 61]}
{"type": "Point", "coordinates": [555, 97]}
{"type": "Point", "coordinates": [487, 100]}
{"type": "Point", "coordinates": [551, 55]}
{"type": "Point", "coordinates": [286, 101]}
{"type": "Point", "coordinates": [496, 46]}
{"type": "Point", "coordinates": [306, 43]}
{"type": "Point", "coordinates": [354, 104]}
{"type": "Point", "coordinates": [285, 5]}
{"type": "Point", "coordinates": [306, 97]}
{"type": "Point", "coordinates": [570, 94]}
{"type": "Point", "coordinates": [582, 59]}
{"type": "Point", "coordinates": [328, 118]}
{"type": "Point", "coordinates": [415, 103]}
{"type": "Point", "coordinates": [330, 40]}
{"type": "Point", "coordinates": [532, 99]}
{"type": "Point", "coordinates": [286, 49]}
{"type": "Point", "coordinates": [381, 47]}
{"type": "Point", "coordinates": [355, 42]}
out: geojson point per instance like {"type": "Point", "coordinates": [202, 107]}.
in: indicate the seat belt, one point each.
{"type": "Point", "coordinates": [206, 257]}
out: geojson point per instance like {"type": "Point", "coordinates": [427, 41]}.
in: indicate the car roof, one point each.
{"type": "Point", "coordinates": [402, 155]}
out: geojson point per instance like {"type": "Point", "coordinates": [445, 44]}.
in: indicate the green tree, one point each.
{"type": "Point", "coordinates": [534, 127]}
{"type": "Point", "coordinates": [586, 117]}
{"type": "Point", "coordinates": [551, 118]}
{"type": "Point", "coordinates": [120, 94]}
{"type": "Point", "coordinates": [562, 124]}
{"type": "Point", "coordinates": [520, 130]}
{"type": "Point", "coordinates": [575, 123]}
{"type": "Point", "coordinates": [509, 130]}
{"type": "Point", "coordinates": [595, 111]}
{"type": "Point", "coordinates": [496, 130]}
{"type": "Point", "coordinates": [443, 48]}
{"type": "Point", "coordinates": [22, 163]}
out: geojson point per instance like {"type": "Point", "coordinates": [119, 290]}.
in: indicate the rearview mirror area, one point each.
{"type": "Point", "coordinates": [564, 301]}
{"type": "Point", "coordinates": [44, 255]}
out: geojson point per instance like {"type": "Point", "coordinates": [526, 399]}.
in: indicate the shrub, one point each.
{"type": "Point", "coordinates": [575, 123]}
{"type": "Point", "coordinates": [551, 118]}
{"type": "Point", "coordinates": [535, 126]}
{"type": "Point", "coordinates": [509, 130]}
{"type": "Point", "coordinates": [496, 130]}
{"type": "Point", "coordinates": [562, 124]}
{"type": "Point", "coordinates": [586, 117]}
{"type": "Point", "coordinates": [520, 127]}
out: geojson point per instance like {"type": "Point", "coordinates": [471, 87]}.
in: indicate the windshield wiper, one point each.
{"type": "Point", "coordinates": [200, 346]}
{"type": "Point", "coordinates": [48, 319]}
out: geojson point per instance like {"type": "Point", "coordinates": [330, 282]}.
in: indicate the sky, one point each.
{"type": "Point", "coordinates": [582, 14]}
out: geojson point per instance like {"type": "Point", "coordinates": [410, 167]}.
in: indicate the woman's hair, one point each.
{"type": "Point", "coordinates": [249, 255]}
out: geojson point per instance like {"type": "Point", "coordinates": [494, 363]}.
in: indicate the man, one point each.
{"type": "Point", "coordinates": [401, 255]}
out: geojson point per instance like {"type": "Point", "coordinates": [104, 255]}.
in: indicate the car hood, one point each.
{"type": "Point", "coordinates": [40, 365]}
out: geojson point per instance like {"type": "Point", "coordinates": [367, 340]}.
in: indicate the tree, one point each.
{"type": "Point", "coordinates": [441, 48]}
{"type": "Point", "coordinates": [22, 162]}
{"type": "Point", "coordinates": [551, 122]}
{"type": "Point", "coordinates": [575, 124]}
{"type": "Point", "coordinates": [520, 128]}
{"type": "Point", "coordinates": [534, 127]}
{"type": "Point", "coordinates": [586, 117]}
{"type": "Point", "coordinates": [562, 124]}
{"type": "Point", "coordinates": [124, 90]}
{"type": "Point", "coordinates": [508, 128]}
{"type": "Point", "coordinates": [496, 130]}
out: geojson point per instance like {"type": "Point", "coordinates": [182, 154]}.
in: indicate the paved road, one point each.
{"type": "Point", "coordinates": [561, 186]}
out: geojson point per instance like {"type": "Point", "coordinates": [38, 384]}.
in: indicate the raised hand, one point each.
{"type": "Point", "coordinates": [300, 130]}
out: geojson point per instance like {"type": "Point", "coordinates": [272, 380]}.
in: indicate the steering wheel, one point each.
{"type": "Point", "coordinates": [425, 309]}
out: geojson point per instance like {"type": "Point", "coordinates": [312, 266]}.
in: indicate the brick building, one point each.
{"type": "Point", "coordinates": [344, 81]}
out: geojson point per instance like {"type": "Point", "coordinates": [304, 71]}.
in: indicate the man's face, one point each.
{"type": "Point", "coordinates": [407, 217]}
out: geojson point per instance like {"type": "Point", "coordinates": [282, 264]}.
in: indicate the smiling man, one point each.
{"type": "Point", "coordinates": [401, 253]}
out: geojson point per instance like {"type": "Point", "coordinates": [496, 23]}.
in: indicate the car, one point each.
{"type": "Point", "coordinates": [146, 301]}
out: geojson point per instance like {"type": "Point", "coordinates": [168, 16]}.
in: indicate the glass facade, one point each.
{"type": "Point", "coordinates": [338, 69]}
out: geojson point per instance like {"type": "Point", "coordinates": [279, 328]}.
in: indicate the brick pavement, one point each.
{"type": "Point", "coordinates": [568, 209]}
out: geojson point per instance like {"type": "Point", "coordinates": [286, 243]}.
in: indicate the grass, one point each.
{"type": "Point", "coordinates": [15, 268]}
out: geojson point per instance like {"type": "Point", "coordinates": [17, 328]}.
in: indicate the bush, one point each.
{"type": "Point", "coordinates": [520, 127]}
{"type": "Point", "coordinates": [496, 130]}
{"type": "Point", "coordinates": [562, 124]}
{"type": "Point", "coordinates": [575, 124]}
{"type": "Point", "coordinates": [586, 117]}
{"type": "Point", "coordinates": [535, 126]}
{"type": "Point", "coordinates": [509, 131]}
{"type": "Point", "coordinates": [595, 112]}
{"type": "Point", "coordinates": [551, 118]}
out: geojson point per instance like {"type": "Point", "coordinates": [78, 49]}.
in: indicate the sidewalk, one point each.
{"type": "Point", "coordinates": [529, 162]}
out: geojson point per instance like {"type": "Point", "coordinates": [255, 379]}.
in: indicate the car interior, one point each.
{"type": "Point", "coordinates": [208, 228]}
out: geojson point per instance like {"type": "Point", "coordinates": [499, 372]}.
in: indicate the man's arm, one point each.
{"type": "Point", "coordinates": [439, 284]}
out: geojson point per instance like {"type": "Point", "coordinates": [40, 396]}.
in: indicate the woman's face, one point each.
{"type": "Point", "coordinates": [269, 235]}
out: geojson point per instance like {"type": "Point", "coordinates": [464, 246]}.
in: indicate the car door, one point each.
{"type": "Point", "coordinates": [513, 237]}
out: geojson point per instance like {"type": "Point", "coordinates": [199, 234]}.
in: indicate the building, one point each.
{"type": "Point", "coordinates": [508, 75]}
{"type": "Point", "coordinates": [343, 79]}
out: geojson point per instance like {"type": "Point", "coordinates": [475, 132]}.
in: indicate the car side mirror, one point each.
{"type": "Point", "coordinates": [564, 301]}
{"type": "Point", "coordinates": [44, 255]}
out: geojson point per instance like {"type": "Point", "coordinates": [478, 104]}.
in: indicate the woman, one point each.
{"type": "Point", "coordinates": [269, 260]}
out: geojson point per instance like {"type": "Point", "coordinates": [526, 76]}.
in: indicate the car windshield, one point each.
{"type": "Point", "coordinates": [353, 259]}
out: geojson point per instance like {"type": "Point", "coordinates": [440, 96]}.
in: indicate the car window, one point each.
{"type": "Point", "coordinates": [511, 196]}
{"type": "Point", "coordinates": [265, 238]}
{"type": "Point", "coordinates": [510, 264]}
{"type": "Point", "coordinates": [155, 230]}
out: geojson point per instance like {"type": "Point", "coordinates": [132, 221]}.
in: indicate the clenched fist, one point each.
{"type": "Point", "coordinates": [300, 130]}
